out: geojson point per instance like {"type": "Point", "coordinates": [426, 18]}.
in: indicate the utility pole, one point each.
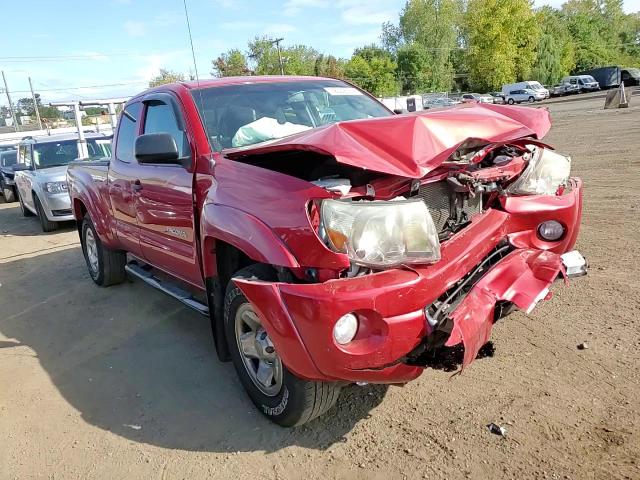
{"type": "Point", "coordinates": [35, 104]}
{"type": "Point", "coordinates": [277, 42]}
{"type": "Point", "coordinates": [13, 114]}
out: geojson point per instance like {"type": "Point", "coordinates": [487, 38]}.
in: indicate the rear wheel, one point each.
{"type": "Point", "coordinates": [511, 101]}
{"type": "Point", "coordinates": [8, 193]}
{"type": "Point", "coordinates": [281, 396]}
{"type": "Point", "coordinates": [106, 267]}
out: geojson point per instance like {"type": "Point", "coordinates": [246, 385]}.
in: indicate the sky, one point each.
{"type": "Point", "coordinates": [112, 48]}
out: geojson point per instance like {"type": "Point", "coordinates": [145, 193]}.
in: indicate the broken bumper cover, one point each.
{"type": "Point", "coordinates": [390, 304]}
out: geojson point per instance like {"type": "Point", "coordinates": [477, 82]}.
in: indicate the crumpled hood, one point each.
{"type": "Point", "coordinates": [410, 145]}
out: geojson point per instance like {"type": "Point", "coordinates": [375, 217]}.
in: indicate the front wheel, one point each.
{"type": "Point", "coordinates": [106, 267]}
{"type": "Point", "coordinates": [281, 396]}
{"type": "Point", "coordinates": [25, 211]}
{"type": "Point", "coordinates": [46, 224]}
{"type": "Point", "coordinates": [511, 101]}
{"type": "Point", "coordinates": [531, 99]}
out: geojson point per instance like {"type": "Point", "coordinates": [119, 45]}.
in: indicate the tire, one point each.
{"type": "Point", "coordinates": [107, 267]}
{"type": "Point", "coordinates": [511, 101]}
{"type": "Point", "coordinates": [292, 401]}
{"type": "Point", "coordinates": [25, 211]}
{"type": "Point", "coordinates": [8, 193]}
{"type": "Point", "coordinates": [531, 100]}
{"type": "Point", "coordinates": [46, 224]}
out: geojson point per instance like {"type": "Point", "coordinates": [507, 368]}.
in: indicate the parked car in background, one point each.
{"type": "Point", "coordinates": [316, 231]}
{"type": "Point", "coordinates": [612, 76]}
{"type": "Point", "coordinates": [477, 98]}
{"type": "Point", "coordinates": [41, 174]}
{"type": "Point", "coordinates": [562, 89]}
{"type": "Point", "coordinates": [7, 146]}
{"type": "Point", "coordinates": [523, 95]}
{"type": "Point", "coordinates": [527, 85]}
{"type": "Point", "coordinates": [442, 102]}
{"type": "Point", "coordinates": [585, 83]}
{"type": "Point", "coordinates": [8, 159]}
{"type": "Point", "coordinates": [498, 97]}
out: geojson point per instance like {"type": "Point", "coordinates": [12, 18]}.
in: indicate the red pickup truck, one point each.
{"type": "Point", "coordinates": [329, 240]}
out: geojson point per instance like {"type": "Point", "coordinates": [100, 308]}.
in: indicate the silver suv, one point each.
{"type": "Point", "coordinates": [523, 95]}
{"type": "Point", "coordinates": [41, 174]}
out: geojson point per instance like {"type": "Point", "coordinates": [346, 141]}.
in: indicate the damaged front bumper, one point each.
{"type": "Point", "coordinates": [391, 305]}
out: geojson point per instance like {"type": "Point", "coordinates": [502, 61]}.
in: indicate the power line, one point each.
{"type": "Point", "coordinates": [67, 89]}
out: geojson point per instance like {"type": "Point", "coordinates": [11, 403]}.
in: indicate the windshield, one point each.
{"type": "Point", "coordinates": [240, 115]}
{"type": "Point", "coordinates": [535, 85]}
{"type": "Point", "coordinates": [9, 158]}
{"type": "Point", "coordinates": [56, 154]}
{"type": "Point", "coordinates": [634, 72]}
{"type": "Point", "coordinates": [588, 79]}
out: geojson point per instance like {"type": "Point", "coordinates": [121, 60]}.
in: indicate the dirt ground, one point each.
{"type": "Point", "coordinates": [123, 382]}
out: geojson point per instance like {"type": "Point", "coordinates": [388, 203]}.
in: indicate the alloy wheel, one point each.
{"type": "Point", "coordinates": [257, 352]}
{"type": "Point", "coordinates": [91, 248]}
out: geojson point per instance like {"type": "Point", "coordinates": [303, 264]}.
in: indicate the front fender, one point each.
{"type": "Point", "coordinates": [245, 232]}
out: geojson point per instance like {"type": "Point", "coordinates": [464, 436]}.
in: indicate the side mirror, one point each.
{"type": "Point", "coordinates": [400, 111]}
{"type": "Point", "coordinates": [19, 167]}
{"type": "Point", "coordinates": [157, 148]}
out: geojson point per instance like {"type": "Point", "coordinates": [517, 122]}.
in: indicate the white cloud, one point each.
{"type": "Point", "coordinates": [166, 19]}
{"type": "Point", "coordinates": [350, 40]}
{"type": "Point", "coordinates": [363, 16]}
{"type": "Point", "coordinates": [278, 29]}
{"type": "Point", "coordinates": [225, 3]}
{"type": "Point", "coordinates": [134, 28]}
{"type": "Point", "coordinates": [240, 25]}
{"type": "Point", "coordinates": [293, 7]}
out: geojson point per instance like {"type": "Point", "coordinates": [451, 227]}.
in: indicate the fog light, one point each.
{"type": "Point", "coordinates": [345, 328]}
{"type": "Point", "coordinates": [550, 230]}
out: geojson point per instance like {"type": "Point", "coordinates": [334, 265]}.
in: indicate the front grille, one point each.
{"type": "Point", "coordinates": [445, 203]}
{"type": "Point", "coordinates": [61, 213]}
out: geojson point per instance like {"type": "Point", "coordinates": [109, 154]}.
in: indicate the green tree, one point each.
{"type": "Point", "coordinates": [373, 69]}
{"type": "Point", "coordinates": [502, 36]}
{"type": "Point", "coordinates": [296, 60]}
{"type": "Point", "coordinates": [595, 29]}
{"type": "Point", "coordinates": [329, 66]}
{"type": "Point", "coordinates": [434, 26]}
{"type": "Point", "coordinates": [232, 63]}
{"type": "Point", "coordinates": [166, 76]}
{"type": "Point", "coordinates": [51, 113]}
{"type": "Point", "coordinates": [555, 56]}
{"type": "Point", "coordinates": [24, 106]}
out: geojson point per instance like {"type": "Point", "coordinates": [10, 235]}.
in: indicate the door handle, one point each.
{"type": "Point", "coordinates": [137, 186]}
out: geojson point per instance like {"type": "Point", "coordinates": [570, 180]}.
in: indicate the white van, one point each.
{"type": "Point", "coordinates": [528, 85]}
{"type": "Point", "coordinates": [586, 83]}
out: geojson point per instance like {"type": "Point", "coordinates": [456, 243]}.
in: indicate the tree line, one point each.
{"type": "Point", "coordinates": [443, 45]}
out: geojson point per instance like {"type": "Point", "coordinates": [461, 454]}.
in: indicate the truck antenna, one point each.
{"type": "Point", "coordinates": [193, 52]}
{"type": "Point", "coordinates": [195, 66]}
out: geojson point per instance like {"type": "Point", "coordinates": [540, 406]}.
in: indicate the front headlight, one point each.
{"type": "Point", "coordinates": [56, 187]}
{"type": "Point", "coordinates": [547, 170]}
{"type": "Point", "coordinates": [381, 233]}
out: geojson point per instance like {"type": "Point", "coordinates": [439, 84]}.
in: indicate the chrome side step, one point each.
{"type": "Point", "coordinates": [170, 289]}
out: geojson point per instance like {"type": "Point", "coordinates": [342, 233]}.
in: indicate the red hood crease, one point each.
{"type": "Point", "coordinates": [410, 145]}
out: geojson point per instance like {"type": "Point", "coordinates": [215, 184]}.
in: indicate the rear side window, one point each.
{"type": "Point", "coordinates": [127, 132]}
